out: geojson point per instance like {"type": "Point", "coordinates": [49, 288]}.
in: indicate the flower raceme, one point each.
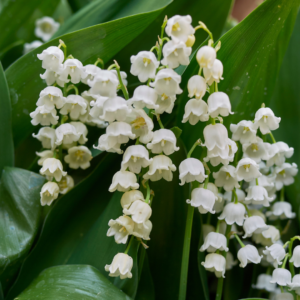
{"type": "Point", "coordinates": [250, 160]}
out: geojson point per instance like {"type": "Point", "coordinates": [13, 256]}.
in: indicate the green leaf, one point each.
{"type": "Point", "coordinates": [74, 282]}
{"type": "Point", "coordinates": [67, 223]}
{"type": "Point", "coordinates": [19, 218]}
{"type": "Point", "coordinates": [87, 45]}
{"type": "Point", "coordinates": [251, 53]}
{"type": "Point", "coordinates": [177, 131]}
{"type": "Point", "coordinates": [286, 104]}
{"type": "Point", "coordinates": [6, 138]}
{"type": "Point", "coordinates": [24, 14]}
{"type": "Point", "coordinates": [254, 299]}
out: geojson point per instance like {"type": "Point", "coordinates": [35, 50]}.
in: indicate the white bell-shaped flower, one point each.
{"type": "Point", "coordinates": [215, 263]}
{"type": "Point", "coordinates": [144, 65]}
{"type": "Point", "coordinates": [134, 158]}
{"type": "Point", "coordinates": [167, 82]}
{"type": "Point", "coordinates": [52, 167]}
{"type": "Point", "coordinates": [43, 156]}
{"type": "Point", "coordinates": [164, 140]}
{"type": "Point", "coordinates": [223, 156]}
{"type": "Point", "coordinates": [66, 184]}
{"type": "Point", "coordinates": [267, 237]}
{"type": "Point", "coordinates": [258, 195]}
{"type": "Point", "coordinates": [274, 254]}
{"type": "Point", "coordinates": [179, 28]}
{"type": "Point", "coordinates": [51, 58]}
{"type": "Point", "coordinates": [115, 109]}
{"type": "Point", "coordinates": [278, 152]}
{"type": "Point", "coordinates": [160, 167]}
{"type": "Point", "coordinates": [258, 213]}
{"type": "Point", "coordinates": [195, 111]}
{"type": "Point", "coordinates": [233, 213]}
{"type": "Point", "coordinates": [140, 211]}
{"type": "Point", "coordinates": [240, 193]}
{"type": "Point", "coordinates": [295, 285]}
{"type": "Point", "coordinates": [283, 296]}
{"type": "Point", "coordinates": [47, 137]}
{"type": "Point", "coordinates": [215, 136]}
{"type": "Point", "coordinates": [129, 197]}
{"type": "Point", "coordinates": [75, 105]}
{"type": "Point", "coordinates": [196, 87]}
{"type": "Point", "coordinates": [120, 229]}
{"type": "Point", "coordinates": [123, 77]}
{"type": "Point", "coordinates": [191, 169]}
{"type": "Point", "coordinates": [256, 150]}
{"type": "Point", "coordinates": [214, 74]}
{"type": "Point", "coordinates": [97, 107]}
{"type": "Point", "coordinates": [81, 131]}
{"type": "Point", "coordinates": [176, 54]}
{"type": "Point", "coordinates": [254, 224]}
{"type": "Point", "coordinates": [143, 231]}
{"type": "Point", "coordinates": [144, 96]}
{"type": "Point", "coordinates": [31, 46]}
{"type": "Point", "coordinates": [219, 104]}
{"type": "Point", "coordinates": [66, 134]}
{"type": "Point", "coordinates": [230, 261]}
{"type": "Point", "coordinates": [281, 210]}
{"type": "Point", "coordinates": [268, 183]}
{"type": "Point", "coordinates": [204, 199]}
{"type": "Point", "coordinates": [263, 168]}
{"type": "Point", "coordinates": [105, 143]}
{"type": "Point", "coordinates": [214, 241]}
{"type": "Point", "coordinates": [120, 266]}
{"type": "Point", "coordinates": [206, 57]}
{"type": "Point", "coordinates": [248, 254]}
{"type": "Point", "coordinates": [105, 84]}
{"type": "Point", "coordinates": [265, 120]}
{"type": "Point", "coordinates": [219, 204]}
{"type": "Point", "coordinates": [244, 132]}
{"type": "Point", "coordinates": [247, 169]}
{"type": "Point", "coordinates": [295, 259]}
{"type": "Point", "coordinates": [52, 77]}
{"type": "Point", "coordinates": [79, 157]}
{"type": "Point", "coordinates": [45, 27]}
{"type": "Point", "coordinates": [49, 193]}
{"type": "Point", "coordinates": [263, 283]}
{"type": "Point", "coordinates": [44, 116]}
{"type": "Point", "coordinates": [282, 277]}
{"type": "Point", "coordinates": [91, 71]}
{"type": "Point", "coordinates": [72, 67]}
{"type": "Point", "coordinates": [123, 181]}
{"type": "Point", "coordinates": [285, 175]}
{"type": "Point", "coordinates": [226, 178]}
{"type": "Point", "coordinates": [51, 97]}
{"type": "Point", "coordinates": [141, 125]}
{"type": "Point", "coordinates": [119, 133]}
{"type": "Point", "coordinates": [165, 104]}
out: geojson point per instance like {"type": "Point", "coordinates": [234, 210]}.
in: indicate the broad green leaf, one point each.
{"type": "Point", "coordinates": [17, 18]}
{"type": "Point", "coordinates": [251, 53]}
{"type": "Point", "coordinates": [68, 221]}
{"type": "Point", "coordinates": [87, 45]}
{"type": "Point", "coordinates": [19, 218]}
{"type": "Point", "coordinates": [286, 104]}
{"type": "Point", "coordinates": [78, 4]}
{"type": "Point", "coordinates": [6, 138]}
{"type": "Point", "coordinates": [177, 131]}
{"type": "Point", "coordinates": [74, 282]}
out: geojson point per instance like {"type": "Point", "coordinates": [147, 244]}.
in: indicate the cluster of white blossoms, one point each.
{"type": "Point", "coordinates": [252, 172]}
{"type": "Point", "coordinates": [45, 27]}
{"type": "Point", "coordinates": [244, 189]}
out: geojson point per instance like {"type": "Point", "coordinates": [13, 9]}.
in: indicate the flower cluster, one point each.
{"type": "Point", "coordinates": [259, 169]}
{"type": "Point", "coordinates": [45, 27]}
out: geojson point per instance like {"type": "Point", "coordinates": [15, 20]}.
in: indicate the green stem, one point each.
{"type": "Point", "coordinates": [218, 226]}
{"type": "Point", "coordinates": [272, 137]}
{"type": "Point", "coordinates": [285, 260]}
{"type": "Point", "coordinates": [129, 244]}
{"type": "Point", "coordinates": [123, 87]}
{"type": "Point", "coordinates": [247, 209]}
{"type": "Point", "coordinates": [235, 196]}
{"type": "Point", "coordinates": [212, 120]}
{"type": "Point", "coordinates": [256, 180]}
{"type": "Point", "coordinates": [186, 253]}
{"type": "Point", "coordinates": [198, 142]}
{"type": "Point", "coordinates": [282, 194]}
{"type": "Point", "coordinates": [239, 240]}
{"type": "Point", "coordinates": [216, 86]}
{"type": "Point", "coordinates": [200, 71]}
{"type": "Point", "coordinates": [159, 122]}
{"type": "Point", "coordinates": [292, 269]}
{"type": "Point", "coordinates": [148, 192]}
{"type": "Point", "coordinates": [206, 180]}
{"type": "Point", "coordinates": [99, 61]}
{"type": "Point", "coordinates": [72, 87]}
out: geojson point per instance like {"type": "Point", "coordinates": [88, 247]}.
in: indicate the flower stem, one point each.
{"type": "Point", "coordinates": [247, 209]}
{"type": "Point", "coordinates": [159, 121]}
{"type": "Point", "coordinates": [72, 87]}
{"type": "Point", "coordinates": [129, 244]}
{"type": "Point", "coordinates": [256, 181]}
{"type": "Point", "coordinates": [239, 240]}
{"type": "Point", "coordinates": [235, 196]}
{"type": "Point", "coordinates": [198, 142]}
{"type": "Point", "coordinates": [292, 269]}
{"type": "Point", "coordinates": [99, 61]}
{"type": "Point", "coordinates": [186, 253]}
{"type": "Point", "coordinates": [123, 87]}
{"type": "Point", "coordinates": [282, 194]}
{"type": "Point", "coordinates": [148, 192]}
{"type": "Point", "coordinates": [272, 137]}
{"type": "Point", "coordinates": [286, 257]}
